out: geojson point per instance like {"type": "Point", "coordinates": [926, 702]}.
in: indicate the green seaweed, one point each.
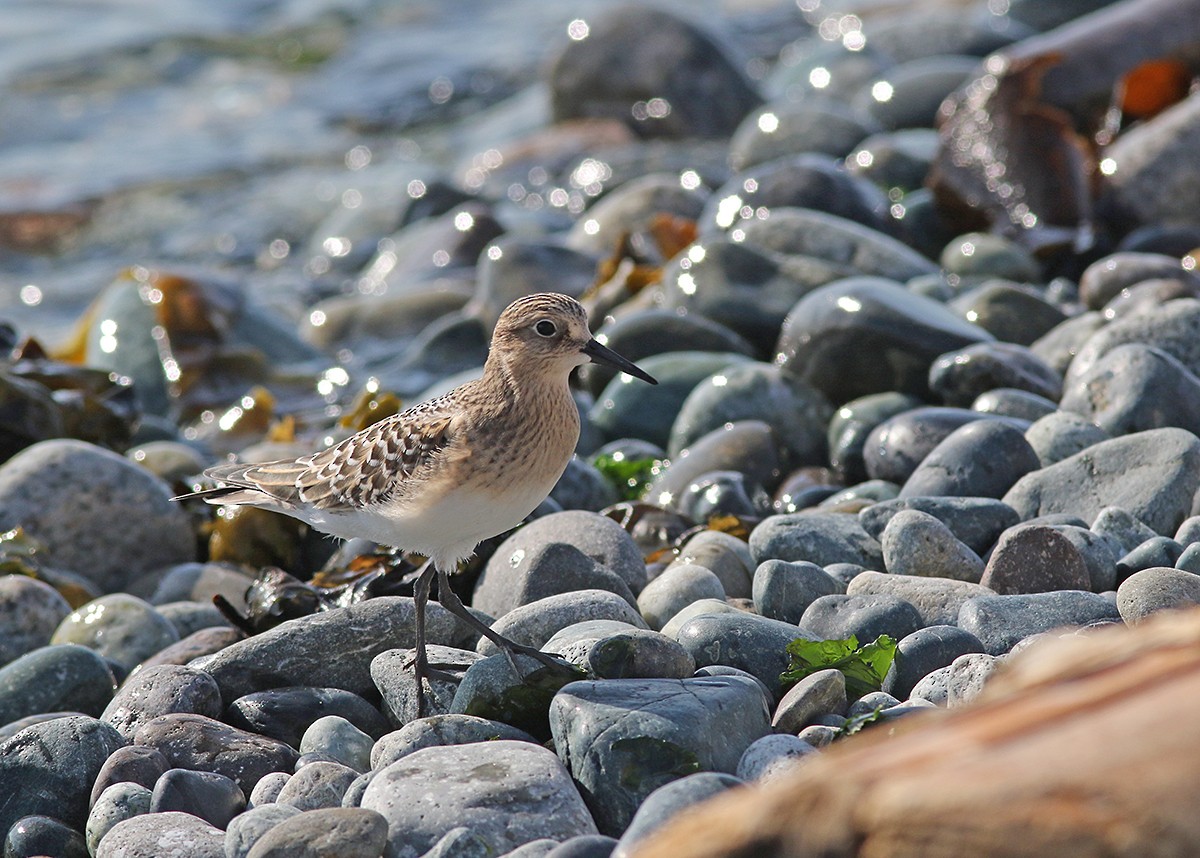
{"type": "Point", "coordinates": [863, 666]}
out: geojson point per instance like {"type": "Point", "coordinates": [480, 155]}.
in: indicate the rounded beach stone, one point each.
{"type": "Point", "coordinates": [1035, 559]}
{"type": "Point", "coordinates": [755, 644]}
{"type": "Point", "coordinates": [897, 445]}
{"type": "Point", "coordinates": [342, 832]}
{"type": "Point", "coordinates": [772, 756]}
{"type": "Point", "coordinates": [536, 623]}
{"type": "Point", "coordinates": [335, 737]}
{"type": "Point", "coordinates": [639, 654]}
{"type": "Point", "coordinates": [268, 788]}
{"type": "Point", "coordinates": [675, 589]}
{"type": "Point", "coordinates": [937, 600]}
{"type": "Point", "coordinates": [584, 846]}
{"type": "Point", "coordinates": [1135, 387]}
{"type": "Point", "coordinates": [1062, 434]}
{"type": "Point", "coordinates": [130, 764]}
{"type": "Point", "coordinates": [725, 556]}
{"type": "Point", "coordinates": [247, 827]}
{"type": "Point", "coordinates": [30, 611]}
{"type": "Point", "coordinates": [866, 617]}
{"type": "Point", "coordinates": [821, 538]}
{"type": "Point", "coordinates": [977, 522]}
{"type": "Point", "coordinates": [124, 526]}
{"type": "Point", "coordinates": [214, 798]}
{"type": "Point", "coordinates": [1105, 278]}
{"type": "Point", "coordinates": [53, 679]}
{"type": "Point", "coordinates": [783, 590]}
{"type": "Point", "coordinates": [818, 694]}
{"type": "Point", "coordinates": [118, 802]}
{"type": "Point", "coordinates": [573, 643]}
{"type": "Point", "coordinates": [153, 835]}
{"type": "Point", "coordinates": [1156, 589]}
{"type": "Point", "coordinates": [981, 459]}
{"type": "Point", "coordinates": [43, 835]}
{"type": "Point", "coordinates": [397, 683]}
{"type": "Point", "coordinates": [439, 730]}
{"type": "Point", "coordinates": [506, 792]}
{"type": "Point", "coordinates": [967, 675]}
{"type": "Point", "coordinates": [541, 571]}
{"type": "Point", "coordinates": [1000, 622]}
{"type": "Point", "coordinates": [925, 651]}
{"type": "Point", "coordinates": [285, 713]}
{"type": "Point", "coordinates": [668, 800]}
{"type": "Point", "coordinates": [317, 785]}
{"type": "Point", "coordinates": [158, 691]}
{"type": "Point", "coordinates": [916, 543]}
{"type": "Point", "coordinates": [122, 628]}
{"type": "Point", "coordinates": [958, 377]}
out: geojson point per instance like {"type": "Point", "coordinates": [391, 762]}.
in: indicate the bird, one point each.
{"type": "Point", "coordinates": [442, 476]}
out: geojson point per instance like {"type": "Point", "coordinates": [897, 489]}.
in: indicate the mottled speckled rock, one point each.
{"type": "Point", "coordinates": [158, 691]}
{"type": "Point", "coordinates": [667, 801]}
{"type": "Point", "coordinates": [1134, 387]}
{"type": "Point", "coordinates": [120, 627]}
{"type": "Point", "coordinates": [925, 651]}
{"type": "Point", "coordinates": [1153, 474]}
{"type": "Point", "coordinates": [783, 590]}
{"type": "Point", "coordinates": [1035, 559]}
{"type": "Point", "coordinates": [1156, 589]}
{"type": "Point", "coordinates": [916, 543]}
{"type": "Point", "coordinates": [507, 793]}
{"type": "Point", "coordinates": [30, 611]}
{"type": "Point", "coordinates": [1000, 622]}
{"type": "Point", "coordinates": [285, 713]}
{"type": "Point", "coordinates": [344, 832]}
{"type": "Point", "coordinates": [981, 459]}
{"type": "Point", "coordinates": [820, 693]}
{"type": "Point", "coordinates": [123, 526]}
{"type": "Point", "coordinates": [247, 828]}
{"type": "Point", "coordinates": [154, 835]}
{"type": "Point", "coordinates": [439, 730]}
{"type": "Point", "coordinates": [117, 803]}
{"type": "Point", "coordinates": [53, 679]}
{"type": "Point", "coordinates": [536, 623]}
{"type": "Point", "coordinates": [130, 764]}
{"type": "Point", "coordinates": [821, 538]}
{"type": "Point", "coordinates": [625, 738]}
{"type": "Point", "coordinates": [317, 785]}
{"type": "Point", "coordinates": [771, 756]}
{"type": "Point", "coordinates": [937, 600]}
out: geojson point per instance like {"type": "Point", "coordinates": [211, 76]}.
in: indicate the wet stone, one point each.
{"type": "Point", "coordinates": [1008, 311]}
{"type": "Point", "coordinates": [125, 527]}
{"type": "Point", "coordinates": [625, 738]}
{"type": "Point", "coordinates": [981, 459]}
{"type": "Point", "coordinates": [1035, 559]}
{"type": "Point", "coordinates": [1135, 387]}
{"type": "Point", "coordinates": [853, 423]}
{"type": "Point", "coordinates": [317, 785]}
{"type": "Point", "coordinates": [1156, 589]}
{"type": "Point", "coordinates": [937, 600]}
{"type": "Point", "coordinates": [335, 737]}
{"type": "Point", "coordinates": [979, 253]}
{"type": "Point", "coordinates": [923, 652]}
{"type": "Point", "coordinates": [52, 679]}
{"type": "Point", "coordinates": [895, 159]}
{"type": "Point", "coordinates": [492, 689]}
{"type": "Point", "coordinates": [285, 713]}
{"type": "Point", "coordinates": [818, 694]}
{"type": "Point", "coordinates": [897, 445]}
{"type": "Point", "coordinates": [43, 835]}
{"type": "Point", "coordinates": [120, 627]}
{"type": "Point", "coordinates": [536, 623]}
{"type": "Point", "coordinates": [546, 570]}
{"type": "Point", "coordinates": [725, 556]}
{"type": "Point", "coordinates": [1017, 404]}
{"type": "Point", "coordinates": [1105, 278]}
{"type": "Point", "coordinates": [507, 793]}
{"type": "Point", "coordinates": [675, 589]}
{"type": "Point", "coordinates": [916, 543]}
{"type": "Point", "coordinates": [1153, 474]}
{"type": "Point", "coordinates": [783, 590]}
{"type": "Point", "coordinates": [885, 344]}
{"type": "Point", "coordinates": [866, 617]}
{"type": "Point", "coordinates": [439, 730]}
{"type": "Point", "coordinates": [30, 611]}
{"type": "Point", "coordinates": [821, 538]}
{"type": "Point", "coordinates": [133, 764]}
{"type": "Point", "coordinates": [918, 88]}
{"type": "Point", "coordinates": [668, 800]}
{"type": "Point", "coordinates": [533, 849]}
{"type": "Point", "coordinates": [958, 377]}
{"type": "Point", "coordinates": [158, 691]}
{"type": "Point", "coordinates": [214, 798]}
{"type": "Point", "coordinates": [1000, 622]}
{"type": "Point", "coordinates": [573, 643]}
{"type": "Point", "coordinates": [247, 828]}
{"type": "Point", "coordinates": [392, 672]}
{"type": "Point", "coordinates": [721, 493]}
{"type": "Point", "coordinates": [1062, 434]}
{"type": "Point", "coordinates": [748, 642]}
{"type": "Point", "coordinates": [785, 127]}
{"type": "Point", "coordinates": [747, 446]}
{"type": "Point", "coordinates": [152, 835]}
{"type": "Point", "coordinates": [204, 744]}
{"type": "Point", "coordinates": [115, 804]}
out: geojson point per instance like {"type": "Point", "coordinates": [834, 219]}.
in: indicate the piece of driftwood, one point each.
{"type": "Point", "coordinates": [1087, 745]}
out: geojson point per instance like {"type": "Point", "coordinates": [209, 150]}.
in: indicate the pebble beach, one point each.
{"type": "Point", "coordinates": [917, 282]}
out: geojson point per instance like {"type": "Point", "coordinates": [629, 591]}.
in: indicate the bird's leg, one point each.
{"type": "Point", "coordinates": [420, 665]}
{"type": "Point", "coordinates": [454, 605]}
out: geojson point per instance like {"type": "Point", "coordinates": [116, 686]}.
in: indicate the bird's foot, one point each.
{"type": "Point", "coordinates": [424, 672]}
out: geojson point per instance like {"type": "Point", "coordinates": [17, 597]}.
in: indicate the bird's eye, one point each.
{"type": "Point", "coordinates": [545, 328]}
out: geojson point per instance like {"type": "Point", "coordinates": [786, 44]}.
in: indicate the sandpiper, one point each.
{"type": "Point", "coordinates": [442, 476]}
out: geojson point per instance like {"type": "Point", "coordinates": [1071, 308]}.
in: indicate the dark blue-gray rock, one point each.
{"type": "Point", "coordinates": [584, 846]}
{"type": "Point", "coordinates": [918, 87]}
{"type": "Point", "coordinates": [1011, 312]}
{"type": "Point", "coordinates": [130, 764]}
{"type": "Point", "coordinates": [720, 493]}
{"type": "Point", "coordinates": [214, 798]}
{"type": "Point", "coordinates": [514, 689]}
{"type": "Point", "coordinates": [536, 623]}
{"type": "Point", "coordinates": [725, 556]}
{"type": "Point", "coordinates": [533, 849]}
{"type": "Point", "coordinates": [1123, 529]}
{"type": "Point", "coordinates": [1154, 475]}
{"type": "Point", "coordinates": [821, 538]}
{"type": "Point", "coordinates": [895, 159]}
{"type": "Point", "coordinates": [524, 567]}
{"type": "Point", "coordinates": [1189, 559]}
{"type": "Point", "coordinates": [1058, 346]}
{"type": "Point", "coordinates": [206, 745]}
{"type": "Point", "coordinates": [126, 526]}
{"type": "Point", "coordinates": [783, 590]}
{"type": "Point", "coordinates": [844, 573]}
{"type": "Point", "coordinates": [343, 831]}
{"type": "Point", "coordinates": [648, 411]}
{"type": "Point", "coordinates": [120, 627]}
{"type": "Point", "coordinates": [460, 841]}
{"type": "Point", "coordinates": [866, 617]}
{"type": "Point", "coordinates": [868, 335]}
{"type": "Point", "coordinates": [899, 444]}
{"type": "Point", "coordinates": [159, 691]}
{"type": "Point", "coordinates": [53, 679]}
{"type": "Point", "coordinates": [755, 391]}
{"type": "Point", "coordinates": [1134, 387]}
{"type": "Point", "coordinates": [977, 522]}
{"type": "Point", "coordinates": [1189, 531]}
{"type": "Point", "coordinates": [772, 756]}
{"type": "Point", "coordinates": [916, 543]}
{"type": "Point", "coordinates": [49, 769]}
{"type": "Point", "coordinates": [1062, 434]}
{"type": "Point", "coordinates": [657, 73]}
{"type": "Point", "coordinates": [748, 446]}
{"type": "Point", "coordinates": [392, 672]}
{"type": "Point", "coordinates": [153, 835]}
{"type": "Point", "coordinates": [786, 127]}
{"type": "Point", "coordinates": [268, 788]}
{"type": "Point", "coordinates": [43, 835]}
{"type": "Point", "coordinates": [285, 713]}
{"type": "Point", "coordinates": [853, 423]}
{"type": "Point", "coordinates": [1001, 621]}
{"type": "Point", "coordinates": [573, 643]}
{"type": "Point", "coordinates": [1035, 559]}
{"type": "Point", "coordinates": [982, 459]}
{"type": "Point", "coordinates": [639, 654]}
{"type": "Point", "coordinates": [581, 486]}
{"type": "Point", "coordinates": [197, 582]}
{"type": "Point", "coordinates": [667, 801]}
{"type": "Point", "coordinates": [115, 804]}
{"type": "Point", "coordinates": [329, 649]}
{"type": "Point", "coordinates": [522, 265]}
{"type": "Point", "coordinates": [696, 609]}
{"type": "Point", "coordinates": [924, 651]}
{"type": "Point", "coordinates": [1106, 278]}
{"type": "Point", "coordinates": [335, 737]}
{"type": "Point", "coordinates": [818, 694]}
{"type": "Point", "coordinates": [30, 611]}
{"type": "Point", "coordinates": [317, 785]}
{"type": "Point", "coordinates": [1158, 588]}
{"type": "Point", "coordinates": [439, 730]}
{"type": "Point", "coordinates": [1169, 328]}
{"type": "Point", "coordinates": [870, 491]}
{"type": "Point", "coordinates": [247, 828]}
{"type": "Point", "coordinates": [190, 617]}
{"type": "Point", "coordinates": [625, 738]}
{"type": "Point", "coordinates": [675, 589]}
{"type": "Point", "coordinates": [937, 600]}
{"type": "Point", "coordinates": [960, 376]}
{"type": "Point", "coordinates": [872, 701]}
{"type": "Point", "coordinates": [508, 793]}
{"type": "Point", "coordinates": [1010, 402]}
{"type": "Point", "coordinates": [748, 642]}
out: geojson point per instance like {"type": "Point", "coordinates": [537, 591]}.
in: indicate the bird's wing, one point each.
{"type": "Point", "coordinates": [366, 468]}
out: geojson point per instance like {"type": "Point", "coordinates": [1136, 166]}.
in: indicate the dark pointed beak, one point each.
{"type": "Point", "coordinates": [603, 354]}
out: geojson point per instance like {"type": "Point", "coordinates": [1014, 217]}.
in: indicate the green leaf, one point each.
{"type": "Point", "coordinates": [629, 476]}
{"type": "Point", "coordinates": [864, 667]}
